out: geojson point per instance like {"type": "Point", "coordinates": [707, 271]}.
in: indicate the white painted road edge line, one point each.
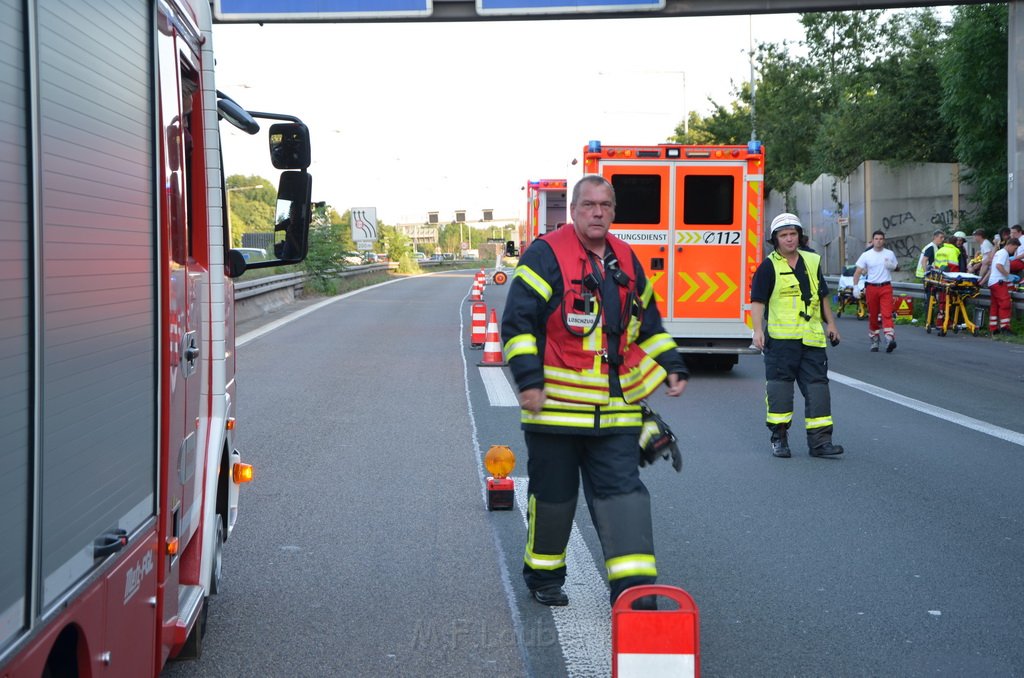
{"type": "Point", "coordinates": [584, 626]}
{"type": "Point", "coordinates": [932, 410]}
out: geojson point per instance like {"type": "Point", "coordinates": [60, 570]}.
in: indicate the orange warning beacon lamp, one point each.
{"type": "Point", "coordinates": [501, 489]}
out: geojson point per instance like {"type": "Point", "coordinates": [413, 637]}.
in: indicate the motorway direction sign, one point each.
{"type": "Point", "coordinates": [511, 7]}
{"type": "Point", "coordinates": [250, 11]}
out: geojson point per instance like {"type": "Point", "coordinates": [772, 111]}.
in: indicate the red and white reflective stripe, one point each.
{"type": "Point", "coordinates": [653, 665]}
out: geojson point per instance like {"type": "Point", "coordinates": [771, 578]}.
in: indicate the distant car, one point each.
{"type": "Point", "coordinates": [352, 258]}
{"type": "Point", "coordinates": [419, 256]}
{"type": "Point", "coordinates": [370, 258]}
{"type": "Point", "coordinates": [437, 257]}
{"type": "Point", "coordinates": [252, 254]}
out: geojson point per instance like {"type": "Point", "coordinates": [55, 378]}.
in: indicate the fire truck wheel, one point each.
{"type": "Point", "coordinates": [218, 557]}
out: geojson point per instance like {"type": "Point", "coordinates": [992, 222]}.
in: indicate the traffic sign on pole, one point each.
{"type": "Point", "coordinates": [508, 7]}
{"type": "Point", "coordinates": [250, 11]}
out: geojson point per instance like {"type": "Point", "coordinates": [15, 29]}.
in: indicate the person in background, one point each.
{"type": "Point", "coordinates": [986, 268]}
{"type": "Point", "coordinates": [1001, 307]}
{"type": "Point", "coordinates": [983, 255]}
{"type": "Point", "coordinates": [1017, 260]}
{"type": "Point", "coordinates": [790, 295]}
{"type": "Point", "coordinates": [960, 240]}
{"type": "Point", "coordinates": [927, 258]}
{"type": "Point", "coordinates": [876, 266]}
{"type": "Point", "coordinates": [585, 343]}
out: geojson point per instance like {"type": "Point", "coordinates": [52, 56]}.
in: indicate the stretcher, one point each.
{"type": "Point", "coordinates": [947, 293]}
{"type": "Point", "coordinates": [845, 297]}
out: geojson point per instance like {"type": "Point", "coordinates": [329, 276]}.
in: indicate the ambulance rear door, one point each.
{"type": "Point", "coordinates": [709, 249]}
{"type": "Point", "coordinates": [643, 209]}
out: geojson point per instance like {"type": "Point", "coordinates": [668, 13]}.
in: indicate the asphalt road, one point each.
{"type": "Point", "coordinates": [364, 548]}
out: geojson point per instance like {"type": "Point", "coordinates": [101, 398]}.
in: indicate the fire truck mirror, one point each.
{"type": "Point", "coordinates": [235, 264]}
{"type": "Point", "coordinates": [294, 212]}
{"type": "Point", "coordinates": [289, 146]}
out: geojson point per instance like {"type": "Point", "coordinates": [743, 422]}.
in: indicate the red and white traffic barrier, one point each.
{"type": "Point", "coordinates": [478, 327]}
{"type": "Point", "coordinates": [655, 643]}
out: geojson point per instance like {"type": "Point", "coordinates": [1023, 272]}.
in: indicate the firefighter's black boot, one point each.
{"type": "Point", "coordinates": [780, 443]}
{"type": "Point", "coordinates": [819, 441]}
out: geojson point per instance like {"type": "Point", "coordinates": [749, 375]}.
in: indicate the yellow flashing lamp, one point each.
{"type": "Point", "coordinates": [499, 461]}
{"type": "Point", "coordinates": [172, 546]}
{"type": "Point", "coordinates": [241, 473]}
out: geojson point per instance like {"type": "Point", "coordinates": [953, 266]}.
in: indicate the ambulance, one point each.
{"type": "Point", "coordinates": [546, 209]}
{"type": "Point", "coordinates": [694, 215]}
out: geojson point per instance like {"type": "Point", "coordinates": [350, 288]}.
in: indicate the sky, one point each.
{"type": "Point", "coordinates": [437, 117]}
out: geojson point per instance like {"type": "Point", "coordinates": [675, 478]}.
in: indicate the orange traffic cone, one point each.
{"type": "Point", "coordinates": [492, 344]}
{"type": "Point", "coordinates": [478, 329]}
{"type": "Point", "coordinates": [476, 292]}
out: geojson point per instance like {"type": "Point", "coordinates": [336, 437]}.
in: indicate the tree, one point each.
{"type": "Point", "coordinates": [973, 73]}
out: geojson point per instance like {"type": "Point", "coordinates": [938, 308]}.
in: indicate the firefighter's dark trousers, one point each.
{"type": "Point", "coordinates": [789, 360]}
{"type": "Point", "coordinates": [619, 504]}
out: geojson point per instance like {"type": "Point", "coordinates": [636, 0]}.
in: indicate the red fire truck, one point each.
{"type": "Point", "coordinates": [695, 218]}
{"type": "Point", "coordinates": [545, 209]}
{"type": "Point", "coordinates": [119, 476]}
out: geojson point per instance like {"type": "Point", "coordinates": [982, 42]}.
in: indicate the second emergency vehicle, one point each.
{"type": "Point", "coordinates": [695, 218]}
{"type": "Point", "coordinates": [546, 202]}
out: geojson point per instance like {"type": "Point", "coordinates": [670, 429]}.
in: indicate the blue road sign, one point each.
{"type": "Point", "coordinates": [507, 7]}
{"type": "Point", "coordinates": [250, 11]}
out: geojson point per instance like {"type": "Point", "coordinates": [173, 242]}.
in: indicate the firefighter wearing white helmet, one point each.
{"type": "Point", "coordinates": [790, 286]}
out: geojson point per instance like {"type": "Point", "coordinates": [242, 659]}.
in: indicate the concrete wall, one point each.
{"type": "Point", "coordinates": [907, 202]}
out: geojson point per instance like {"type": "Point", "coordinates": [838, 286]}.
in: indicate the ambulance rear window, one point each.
{"type": "Point", "coordinates": [637, 198]}
{"type": "Point", "coordinates": [708, 199]}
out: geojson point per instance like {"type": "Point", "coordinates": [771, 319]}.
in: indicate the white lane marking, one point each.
{"type": "Point", "coordinates": [478, 456]}
{"type": "Point", "coordinates": [933, 410]}
{"type": "Point", "coordinates": [499, 391]}
{"type": "Point", "coordinates": [584, 626]}
{"type": "Point", "coordinates": [270, 327]}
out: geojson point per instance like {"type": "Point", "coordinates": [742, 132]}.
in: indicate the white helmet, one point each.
{"type": "Point", "coordinates": [785, 220]}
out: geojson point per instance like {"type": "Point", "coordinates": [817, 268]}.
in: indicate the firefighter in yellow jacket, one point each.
{"type": "Point", "coordinates": [585, 344]}
{"type": "Point", "coordinates": [790, 285]}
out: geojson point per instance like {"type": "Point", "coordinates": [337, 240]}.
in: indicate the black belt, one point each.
{"type": "Point", "coordinates": [878, 284]}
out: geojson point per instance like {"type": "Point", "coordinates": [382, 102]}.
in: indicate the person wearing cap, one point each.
{"type": "Point", "coordinates": [789, 302]}
{"type": "Point", "coordinates": [960, 240]}
{"type": "Point", "coordinates": [984, 252]}
{"type": "Point", "coordinates": [876, 265]}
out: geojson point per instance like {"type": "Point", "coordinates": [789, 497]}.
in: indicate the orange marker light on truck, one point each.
{"type": "Point", "coordinates": [241, 473]}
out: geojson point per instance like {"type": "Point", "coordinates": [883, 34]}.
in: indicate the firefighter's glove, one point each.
{"type": "Point", "coordinates": [856, 292]}
{"type": "Point", "coordinates": [657, 440]}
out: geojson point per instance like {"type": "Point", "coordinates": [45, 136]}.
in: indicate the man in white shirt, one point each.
{"type": "Point", "coordinates": [1000, 305]}
{"type": "Point", "coordinates": [877, 265]}
{"type": "Point", "coordinates": [984, 248]}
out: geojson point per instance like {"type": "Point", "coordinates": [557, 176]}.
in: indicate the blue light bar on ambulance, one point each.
{"type": "Point", "coordinates": [593, 146]}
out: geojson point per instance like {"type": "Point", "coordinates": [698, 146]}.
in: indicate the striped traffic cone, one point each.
{"type": "Point", "coordinates": [476, 293]}
{"type": "Point", "coordinates": [478, 329]}
{"type": "Point", "coordinates": [492, 344]}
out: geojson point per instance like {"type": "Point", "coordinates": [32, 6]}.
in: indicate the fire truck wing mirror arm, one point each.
{"type": "Point", "coordinates": [229, 110]}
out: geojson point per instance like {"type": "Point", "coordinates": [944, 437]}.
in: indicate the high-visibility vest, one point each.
{"type": "Point", "coordinates": [947, 256]}
{"type": "Point", "coordinates": [922, 261]}
{"type": "Point", "coordinates": [786, 306]}
{"type": "Point", "coordinates": [576, 370]}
